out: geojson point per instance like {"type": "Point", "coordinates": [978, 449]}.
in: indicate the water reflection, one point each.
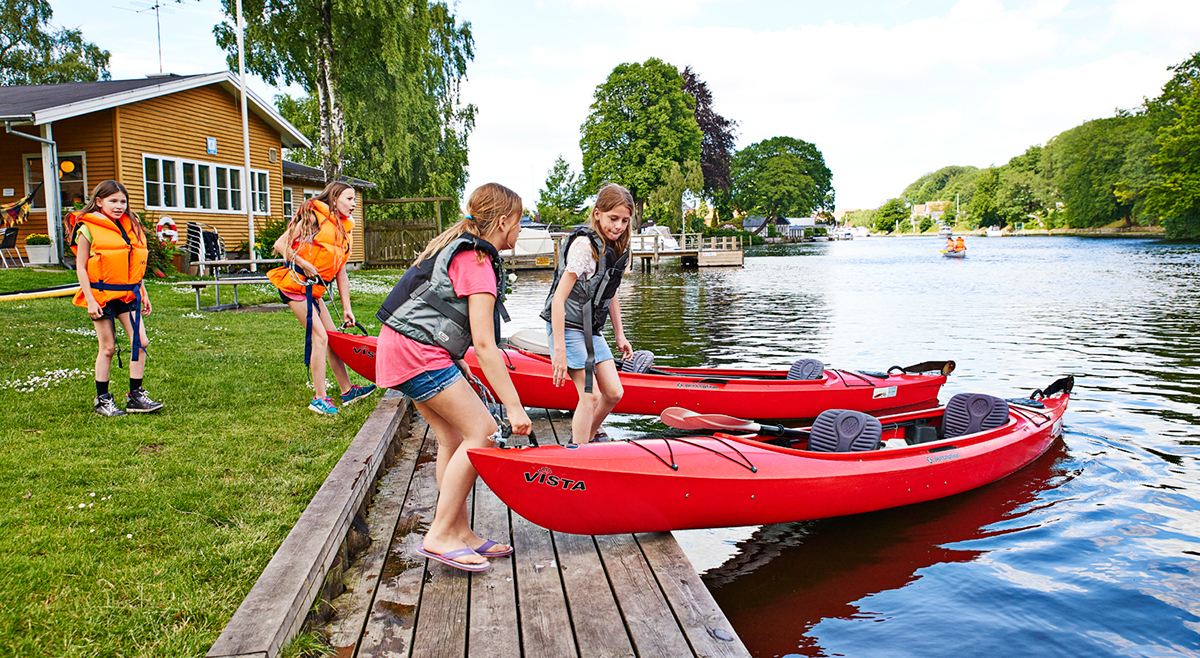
{"type": "Point", "coordinates": [1090, 551]}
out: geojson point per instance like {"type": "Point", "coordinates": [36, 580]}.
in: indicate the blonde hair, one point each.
{"type": "Point", "coordinates": [611, 196]}
{"type": "Point", "coordinates": [488, 203]}
{"type": "Point", "coordinates": [105, 189]}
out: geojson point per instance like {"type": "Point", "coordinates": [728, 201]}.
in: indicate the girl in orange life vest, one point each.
{"type": "Point", "coordinates": [610, 219]}
{"type": "Point", "coordinates": [110, 260]}
{"type": "Point", "coordinates": [317, 246]}
{"type": "Point", "coordinates": [425, 372]}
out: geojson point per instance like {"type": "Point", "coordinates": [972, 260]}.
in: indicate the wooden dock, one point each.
{"type": "Point", "coordinates": [559, 594]}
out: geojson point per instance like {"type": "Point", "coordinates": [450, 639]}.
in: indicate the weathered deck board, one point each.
{"type": "Point", "coordinates": [559, 595]}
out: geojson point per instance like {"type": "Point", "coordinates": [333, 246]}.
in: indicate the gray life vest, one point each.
{"type": "Point", "coordinates": [587, 305]}
{"type": "Point", "coordinates": [424, 307]}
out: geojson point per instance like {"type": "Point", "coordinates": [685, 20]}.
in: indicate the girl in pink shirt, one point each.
{"type": "Point", "coordinates": [418, 363]}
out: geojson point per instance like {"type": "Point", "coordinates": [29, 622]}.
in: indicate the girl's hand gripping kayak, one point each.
{"type": "Point", "coordinates": [520, 421]}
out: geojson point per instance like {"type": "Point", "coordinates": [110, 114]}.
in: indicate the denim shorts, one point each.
{"type": "Point", "coordinates": [428, 384]}
{"type": "Point", "coordinates": [577, 349]}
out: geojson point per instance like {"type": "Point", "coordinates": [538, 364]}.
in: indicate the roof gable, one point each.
{"type": "Point", "coordinates": [41, 104]}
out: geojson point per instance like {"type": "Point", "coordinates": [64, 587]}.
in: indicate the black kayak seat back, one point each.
{"type": "Point", "coordinates": [968, 413]}
{"type": "Point", "coordinates": [842, 430]}
{"type": "Point", "coordinates": [638, 363]}
{"type": "Point", "coordinates": [804, 369]}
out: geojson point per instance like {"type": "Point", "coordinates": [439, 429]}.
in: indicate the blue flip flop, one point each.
{"type": "Point", "coordinates": [483, 549]}
{"type": "Point", "coordinates": [448, 558]}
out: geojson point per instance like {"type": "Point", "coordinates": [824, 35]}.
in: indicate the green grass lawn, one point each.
{"type": "Point", "coordinates": [140, 535]}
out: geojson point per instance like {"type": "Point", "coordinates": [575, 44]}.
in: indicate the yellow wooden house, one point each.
{"type": "Point", "coordinates": [175, 142]}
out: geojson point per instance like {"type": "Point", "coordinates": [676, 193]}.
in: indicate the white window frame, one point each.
{"type": "Point", "coordinates": [288, 208]}
{"type": "Point", "coordinates": [235, 196]}
{"type": "Point", "coordinates": [29, 185]}
{"type": "Point", "coordinates": [309, 194]}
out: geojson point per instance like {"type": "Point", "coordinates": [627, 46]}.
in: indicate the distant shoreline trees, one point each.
{"type": "Point", "coordinates": [1138, 167]}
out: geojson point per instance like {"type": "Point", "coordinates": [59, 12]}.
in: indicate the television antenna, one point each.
{"type": "Point", "coordinates": [156, 6]}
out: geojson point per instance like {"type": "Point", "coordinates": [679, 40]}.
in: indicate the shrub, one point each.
{"type": "Point", "coordinates": [35, 239]}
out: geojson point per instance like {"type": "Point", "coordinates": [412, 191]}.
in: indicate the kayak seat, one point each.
{"type": "Point", "coordinates": [842, 430]}
{"type": "Point", "coordinates": [638, 363]}
{"type": "Point", "coordinates": [804, 369]}
{"type": "Point", "coordinates": [968, 413]}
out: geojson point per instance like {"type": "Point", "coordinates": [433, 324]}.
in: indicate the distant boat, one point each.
{"type": "Point", "coordinates": [945, 231]}
{"type": "Point", "coordinates": [962, 253]}
{"type": "Point", "coordinates": [645, 240]}
{"type": "Point", "coordinates": [995, 231]}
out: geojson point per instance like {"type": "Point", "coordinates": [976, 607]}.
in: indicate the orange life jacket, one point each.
{"type": "Point", "coordinates": [328, 252]}
{"type": "Point", "coordinates": [959, 245]}
{"type": "Point", "coordinates": [118, 258]}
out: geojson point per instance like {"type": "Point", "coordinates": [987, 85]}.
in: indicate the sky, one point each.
{"type": "Point", "coordinates": [888, 90]}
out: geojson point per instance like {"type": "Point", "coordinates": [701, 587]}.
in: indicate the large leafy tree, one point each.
{"type": "Point", "coordinates": [665, 204]}
{"type": "Point", "coordinates": [561, 202]}
{"type": "Point", "coordinates": [32, 52]}
{"type": "Point", "coordinates": [385, 77]}
{"type": "Point", "coordinates": [781, 176]}
{"type": "Point", "coordinates": [717, 146]}
{"type": "Point", "coordinates": [887, 216]}
{"type": "Point", "coordinates": [640, 123]}
{"type": "Point", "coordinates": [1176, 197]}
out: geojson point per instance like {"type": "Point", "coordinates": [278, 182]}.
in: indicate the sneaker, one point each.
{"type": "Point", "coordinates": [323, 406]}
{"type": "Point", "coordinates": [356, 392]}
{"type": "Point", "coordinates": [138, 402]}
{"type": "Point", "coordinates": [105, 405]}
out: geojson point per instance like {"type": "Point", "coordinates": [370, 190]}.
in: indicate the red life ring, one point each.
{"type": "Point", "coordinates": [166, 230]}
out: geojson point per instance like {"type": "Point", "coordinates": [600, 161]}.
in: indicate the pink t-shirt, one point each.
{"type": "Point", "coordinates": [399, 358]}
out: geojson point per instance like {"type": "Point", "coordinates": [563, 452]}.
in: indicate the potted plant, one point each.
{"type": "Point", "coordinates": [37, 248]}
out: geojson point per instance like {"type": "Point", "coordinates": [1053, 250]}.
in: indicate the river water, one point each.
{"type": "Point", "coordinates": [1093, 550]}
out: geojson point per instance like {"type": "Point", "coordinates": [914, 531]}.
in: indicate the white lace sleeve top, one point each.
{"type": "Point", "coordinates": [580, 260]}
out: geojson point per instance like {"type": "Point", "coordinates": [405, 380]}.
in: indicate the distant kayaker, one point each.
{"type": "Point", "coordinates": [949, 244]}
{"type": "Point", "coordinates": [316, 245]}
{"type": "Point", "coordinates": [583, 294]}
{"type": "Point", "coordinates": [110, 262]}
{"type": "Point", "coordinates": [960, 244]}
{"type": "Point", "coordinates": [450, 299]}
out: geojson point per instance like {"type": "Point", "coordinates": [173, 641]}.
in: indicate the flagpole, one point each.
{"type": "Point", "coordinates": [248, 177]}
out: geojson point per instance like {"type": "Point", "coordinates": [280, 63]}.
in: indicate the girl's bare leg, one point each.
{"type": "Point", "coordinates": [107, 348]}
{"type": "Point", "coordinates": [335, 363]}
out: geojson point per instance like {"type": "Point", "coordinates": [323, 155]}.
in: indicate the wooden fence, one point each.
{"type": "Point", "coordinates": [396, 242]}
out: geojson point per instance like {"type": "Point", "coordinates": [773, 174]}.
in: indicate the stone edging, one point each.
{"type": "Point", "coordinates": [309, 562]}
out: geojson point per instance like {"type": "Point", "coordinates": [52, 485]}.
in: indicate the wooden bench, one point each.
{"type": "Point", "coordinates": [197, 286]}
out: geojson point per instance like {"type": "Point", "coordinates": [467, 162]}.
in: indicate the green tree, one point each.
{"type": "Point", "coordinates": [1176, 198]}
{"type": "Point", "coordinates": [665, 204]}
{"type": "Point", "coordinates": [985, 207]}
{"type": "Point", "coordinates": [385, 77]}
{"type": "Point", "coordinates": [887, 216]}
{"type": "Point", "coordinates": [562, 200]}
{"type": "Point", "coordinates": [34, 53]}
{"type": "Point", "coordinates": [1085, 163]}
{"type": "Point", "coordinates": [640, 122]}
{"type": "Point", "coordinates": [781, 176]}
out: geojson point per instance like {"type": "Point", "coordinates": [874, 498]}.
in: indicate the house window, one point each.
{"type": "Point", "coordinates": [258, 191]}
{"type": "Point", "coordinates": [222, 188]}
{"type": "Point", "coordinates": [204, 182]}
{"type": "Point", "coordinates": [189, 185]}
{"type": "Point", "coordinates": [173, 184]}
{"type": "Point", "coordinates": [287, 203]}
{"type": "Point", "coordinates": [72, 179]}
{"type": "Point", "coordinates": [235, 189]}
{"type": "Point", "coordinates": [153, 182]}
{"type": "Point", "coordinates": [308, 194]}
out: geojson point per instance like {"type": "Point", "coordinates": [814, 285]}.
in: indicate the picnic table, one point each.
{"type": "Point", "coordinates": [230, 279]}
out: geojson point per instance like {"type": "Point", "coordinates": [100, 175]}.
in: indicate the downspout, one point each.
{"type": "Point", "coordinates": [50, 180]}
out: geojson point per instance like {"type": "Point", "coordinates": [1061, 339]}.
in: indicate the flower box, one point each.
{"type": "Point", "coordinates": [38, 254]}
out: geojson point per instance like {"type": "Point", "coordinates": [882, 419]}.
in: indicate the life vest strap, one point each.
{"type": "Point", "coordinates": [136, 339]}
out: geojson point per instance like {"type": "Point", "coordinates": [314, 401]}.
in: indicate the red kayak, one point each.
{"type": "Point", "coordinates": [652, 485]}
{"type": "Point", "coordinates": [757, 394]}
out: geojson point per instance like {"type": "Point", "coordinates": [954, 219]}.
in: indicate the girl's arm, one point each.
{"type": "Point", "coordinates": [558, 324]}
{"type": "Point", "coordinates": [483, 338]}
{"type": "Point", "coordinates": [343, 285]}
{"type": "Point", "coordinates": [83, 249]}
{"type": "Point", "coordinates": [614, 313]}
